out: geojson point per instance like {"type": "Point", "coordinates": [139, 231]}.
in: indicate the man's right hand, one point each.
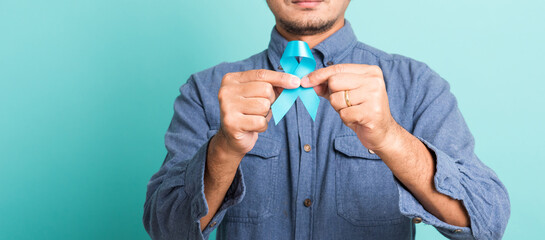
{"type": "Point", "coordinates": [245, 100]}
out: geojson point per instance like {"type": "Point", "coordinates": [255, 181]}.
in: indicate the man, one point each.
{"type": "Point", "coordinates": [388, 148]}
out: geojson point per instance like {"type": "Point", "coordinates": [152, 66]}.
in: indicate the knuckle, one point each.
{"type": "Point", "coordinates": [342, 114]}
{"type": "Point", "coordinates": [256, 122]}
{"type": "Point", "coordinates": [375, 83]}
{"type": "Point", "coordinates": [222, 88]}
{"type": "Point", "coordinates": [333, 83]}
{"type": "Point", "coordinates": [379, 81]}
{"type": "Point", "coordinates": [361, 120]}
{"type": "Point", "coordinates": [335, 100]}
{"type": "Point", "coordinates": [263, 127]}
{"type": "Point", "coordinates": [265, 103]}
{"type": "Point", "coordinates": [378, 111]}
{"type": "Point", "coordinates": [371, 126]}
{"type": "Point", "coordinates": [264, 124]}
{"type": "Point", "coordinates": [377, 69]}
{"type": "Point", "coordinates": [220, 96]}
{"type": "Point", "coordinates": [339, 68]}
{"type": "Point", "coordinates": [221, 93]}
{"type": "Point", "coordinates": [228, 121]}
{"type": "Point", "coordinates": [261, 74]}
{"type": "Point", "coordinates": [285, 77]}
{"type": "Point", "coordinates": [224, 94]}
{"type": "Point", "coordinates": [268, 90]}
{"type": "Point", "coordinates": [238, 136]}
{"type": "Point", "coordinates": [317, 76]}
{"type": "Point", "coordinates": [228, 77]}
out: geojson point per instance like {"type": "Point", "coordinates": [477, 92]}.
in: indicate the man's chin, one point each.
{"type": "Point", "coordinates": [309, 27]}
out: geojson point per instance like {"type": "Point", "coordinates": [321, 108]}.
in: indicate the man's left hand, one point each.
{"type": "Point", "coordinates": [369, 111]}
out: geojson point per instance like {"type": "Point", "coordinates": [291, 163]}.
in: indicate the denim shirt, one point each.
{"type": "Point", "coordinates": [308, 179]}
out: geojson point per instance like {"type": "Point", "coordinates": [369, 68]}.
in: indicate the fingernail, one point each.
{"type": "Point", "coordinates": [296, 80]}
{"type": "Point", "coordinates": [304, 81]}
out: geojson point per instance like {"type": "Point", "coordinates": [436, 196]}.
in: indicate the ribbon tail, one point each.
{"type": "Point", "coordinates": [283, 103]}
{"type": "Point", "coordinates": [311, 101]}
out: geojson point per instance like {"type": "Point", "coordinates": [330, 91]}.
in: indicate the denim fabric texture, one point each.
{"type": "Point", "coordinates": [352, 193]}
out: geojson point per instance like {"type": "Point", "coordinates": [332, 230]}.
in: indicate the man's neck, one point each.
{"type": "Point", "coordinates": [312, 40]}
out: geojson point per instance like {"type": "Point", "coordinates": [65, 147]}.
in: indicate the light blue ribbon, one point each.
{"type": "Point", "coordinates": [306, 65]}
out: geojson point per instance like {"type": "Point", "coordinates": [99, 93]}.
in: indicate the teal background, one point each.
{"type": "Point", "coordinates": [87, 87]}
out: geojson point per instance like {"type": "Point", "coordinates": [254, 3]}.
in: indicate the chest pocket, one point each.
{"type": "Point", "coordinates": [259, 168]}
{"type": "Point", "coordinates": [366, 194]}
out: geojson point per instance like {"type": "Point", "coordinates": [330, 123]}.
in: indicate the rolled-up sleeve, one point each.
{"type": "Point", "coordinates": [459, 172]}
{"type": "Point", "coordinates": [175, 200]}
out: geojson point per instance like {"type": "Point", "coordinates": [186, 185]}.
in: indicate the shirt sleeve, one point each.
{"type": "Point", "coordinates": [175, 200]}
{"type": "Point", "coordinates": [459, 173]}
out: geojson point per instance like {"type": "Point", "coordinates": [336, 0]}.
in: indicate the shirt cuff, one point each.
{"type": "Point", "coordinates": [447, 181]}
{"type": "Point", "coordinates": [194, 180]}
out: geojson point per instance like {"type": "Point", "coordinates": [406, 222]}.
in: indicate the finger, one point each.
{"type": "Point", "coordinates": [253, 123]}
{"type": "Point", "coordinates": [255, 106]}
{"type": "Point", "coordinates": [355, 97]}
{"type": "Point", "coordinates": [321, 75]}
{"type": "Point", "coordinates": [257, 90]}
{"type": "Point", "coordinates": [345, 81]}
{"type": "Point", "coordinates": [277, 79]}
{"type": "Point", "coordinates": [322, 90]}
{"type": "Point", "coordinates": [353, 115]}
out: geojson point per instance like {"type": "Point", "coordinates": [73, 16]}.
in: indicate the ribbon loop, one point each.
{"type": "Point", "coordinates": [301, 68]}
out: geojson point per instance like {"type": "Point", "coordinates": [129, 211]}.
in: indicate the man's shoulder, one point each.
{"type": "Point", "coordinates": [405, 69]}
{"type": "Point", "coordinates": [385, 57]}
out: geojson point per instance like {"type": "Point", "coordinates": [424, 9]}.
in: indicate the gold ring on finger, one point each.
{"type": "Point", "coordinates": [347, 99]}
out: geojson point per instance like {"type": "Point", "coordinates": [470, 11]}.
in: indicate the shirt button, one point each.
{"type": "Point", "coordinates": [370, 151]}
{"type": "Point", "coordinates": [307, 148]}
{"type": "Point", "coordinates": [417, 220]}
{"type": "Point", "coordinates": [457, 231]}
{"type": "Point", "coordinates": [329, 63]}
{"type": "Point", "coordinates": [213, 224]}
{"type": "Point", "coordinates": [307, 202]}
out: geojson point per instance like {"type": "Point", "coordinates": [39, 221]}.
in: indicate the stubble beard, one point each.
{"type": "Point", "coordinates": [311, 27]}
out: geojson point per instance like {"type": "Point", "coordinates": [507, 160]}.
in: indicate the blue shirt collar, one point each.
{"type": "Point", "coordinates": [333, 49]}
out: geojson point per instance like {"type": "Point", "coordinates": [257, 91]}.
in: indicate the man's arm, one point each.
{"type": "Point", "coordinates": [449, 182]}
{"type": "Point", "coordinates": [245, 100]}
{"type": "Point", "coordinates": [193, 185]}
{"type": "Point", "coordinates": [218, 178]}
{"type": "Point", "coordinates": [459, 174]}
{"type": "Point", "coordinates": [413, 164]}
{"type": "Point", "coordinates": [175, 199]}
{"type": "Point", "coordinates": [363, 87]}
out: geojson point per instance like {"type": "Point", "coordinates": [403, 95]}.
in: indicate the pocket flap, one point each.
{"type": "Point", "coordinates": [265, 147]}
{"type": "Point", "coordinates": [352, 147]}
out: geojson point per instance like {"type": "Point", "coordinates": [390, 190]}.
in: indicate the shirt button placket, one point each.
{"type": "Point", "coordinates": [307, 169]}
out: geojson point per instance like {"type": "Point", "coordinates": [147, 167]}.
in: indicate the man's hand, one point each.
{"type": "Point", "coordinates": [369, 114]}
{"type": "Point", "coordinates": [245, 100]}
